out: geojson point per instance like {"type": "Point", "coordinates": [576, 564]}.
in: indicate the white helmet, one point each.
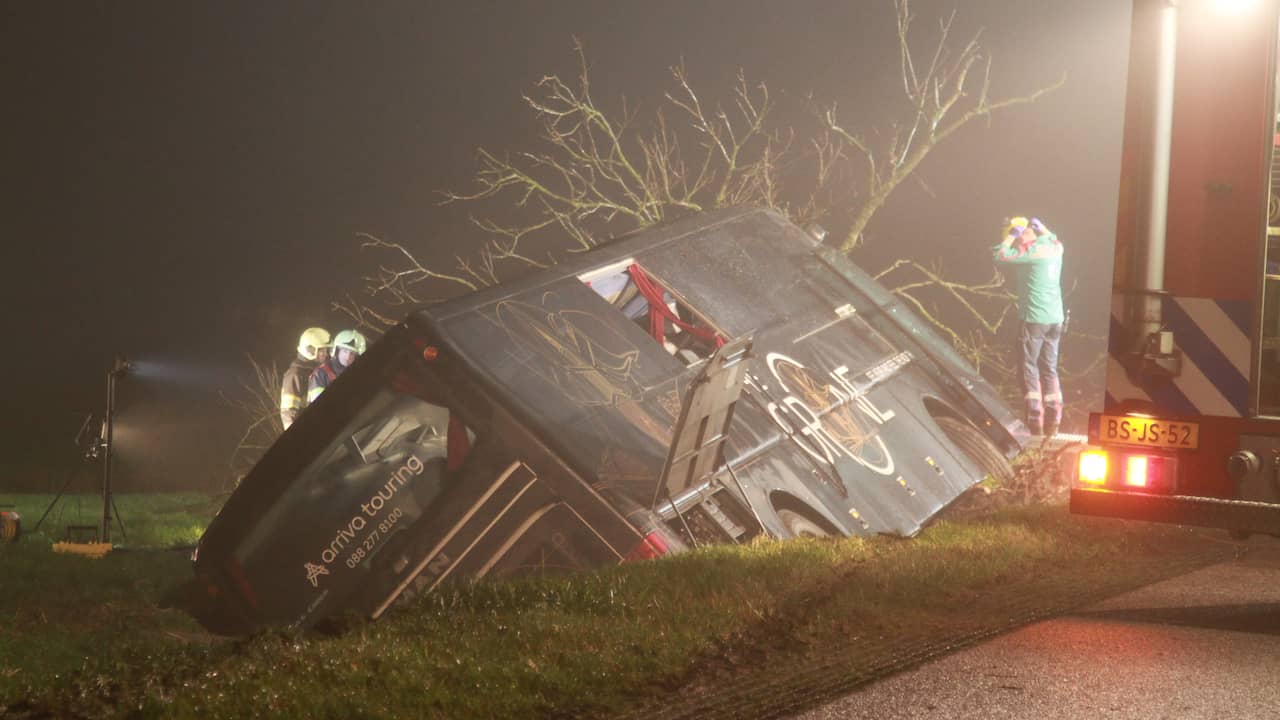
{"type": "Point", "coordinates": [312, 339]}
{"type": "Point", "coordinates": [350, 340]}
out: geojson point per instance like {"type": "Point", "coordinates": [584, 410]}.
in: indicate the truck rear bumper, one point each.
{"type": "Point", "coordinates": [1239, 515]}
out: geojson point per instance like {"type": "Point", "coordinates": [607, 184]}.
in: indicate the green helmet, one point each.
{"type": "Point", "coordinates": [350, 340]}
{"type": "Point", "coordinates": [312, 339]}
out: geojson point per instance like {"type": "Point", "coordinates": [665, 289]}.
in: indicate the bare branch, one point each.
{"type": "Point", "coordinates": [941, 102]}
{"type": "Point", "coordinates": [597, 173]}
{"type": "Point", "coordinates": [258, 401]}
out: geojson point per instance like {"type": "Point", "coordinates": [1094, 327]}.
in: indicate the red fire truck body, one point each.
{"type": "Point", "coordinates": [1190, 431]}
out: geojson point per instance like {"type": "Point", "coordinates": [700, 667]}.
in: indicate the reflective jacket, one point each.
{"type": "Point", "coordinates": [325, 373]}
{"type": "Point", "coordinates": [1037, 273]}
{"type": "Point", "coordinates": [293, 389]}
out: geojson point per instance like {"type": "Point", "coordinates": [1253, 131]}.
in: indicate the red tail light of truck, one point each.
{"type": "Point", "coordinates": [1135, 472]}
{"type": "Point", "coordinates": [1093, 467]}
{"type": "Point", "coordinates": [1127, 471]}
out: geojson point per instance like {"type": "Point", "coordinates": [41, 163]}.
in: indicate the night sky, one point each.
{"type": "Point", "coordinates": [185, 180]}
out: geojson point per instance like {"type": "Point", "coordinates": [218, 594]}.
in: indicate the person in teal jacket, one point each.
{"type": "Point", "coordinates": [1034, 257]}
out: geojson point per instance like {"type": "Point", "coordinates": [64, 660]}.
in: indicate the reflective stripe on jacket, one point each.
{"type": "Point", "coordinates": [293, 389]}
{"type": "Point", "coordinates": [325, 373]}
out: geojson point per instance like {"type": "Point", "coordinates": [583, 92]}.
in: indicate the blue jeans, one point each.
{"type": "Point", "coordinates": [1040, 376]}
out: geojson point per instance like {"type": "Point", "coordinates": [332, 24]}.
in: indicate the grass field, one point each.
{"type": "Point", "coordinates": [88, 637]}
{"type": "Point", "coordinates": [146, 520]}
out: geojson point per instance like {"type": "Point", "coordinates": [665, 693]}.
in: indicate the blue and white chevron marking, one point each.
{"type": "Point", "coordinates": [1213, 336]}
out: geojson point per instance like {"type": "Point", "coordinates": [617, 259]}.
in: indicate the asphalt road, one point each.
{"type": "Point", "coordinates": [1203, 645]}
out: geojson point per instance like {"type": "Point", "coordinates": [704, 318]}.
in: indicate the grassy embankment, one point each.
{"type": "Point", "coordinates": [87, 637]}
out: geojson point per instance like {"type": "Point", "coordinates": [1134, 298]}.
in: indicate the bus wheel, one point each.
{"type": "Point", "coordinates": [977, 446]}
{"type": "Point", "coordinates": [801, 526]}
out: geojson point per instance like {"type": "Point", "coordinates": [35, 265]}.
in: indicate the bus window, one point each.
{"type": "Point", "coordinates": [752, 284]}
{"type": "Point", "coordinates": [685, 333]}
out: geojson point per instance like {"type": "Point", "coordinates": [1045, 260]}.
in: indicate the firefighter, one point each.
{"type": "Point", "coordinates": [346, 346]}
{"type": "Point", "coordinates": [1034, 255]}
{"type": "Point", "coordinates": [313, 349]}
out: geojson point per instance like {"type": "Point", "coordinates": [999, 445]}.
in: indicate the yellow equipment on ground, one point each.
{"type": "Point", "coordinates": [10, 525]}
{"type": "Point", "coordinates": [93, 550]}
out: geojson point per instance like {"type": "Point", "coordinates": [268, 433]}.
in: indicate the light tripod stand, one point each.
{"type": "Point", "coordinates": [99, 448]}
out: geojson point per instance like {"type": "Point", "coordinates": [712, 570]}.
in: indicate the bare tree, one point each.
{"type": "Point", "coordinates": [597, 174]}
{"type": "Point", "coordinates": [258, 399]}
{"type": "Point", "coordinates": [945, 92]}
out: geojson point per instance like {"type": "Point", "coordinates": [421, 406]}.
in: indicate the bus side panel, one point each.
{"type": "Point", "coordinates": [903, 468]}
{"type": "Point", "coordinates": [829, 366]}
{"type": "Point", "coordinates": [783, 477]}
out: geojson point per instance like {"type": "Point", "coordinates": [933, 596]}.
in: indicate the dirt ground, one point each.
{"type": "Point", "coordinates": [1040, 475]}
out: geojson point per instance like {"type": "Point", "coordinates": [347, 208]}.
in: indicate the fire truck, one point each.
{"type": "Point", "coordinates": [1190, 430]}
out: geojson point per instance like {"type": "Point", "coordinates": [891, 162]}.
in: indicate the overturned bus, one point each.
{"type": "Point", "coordinates": [712, 380]}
